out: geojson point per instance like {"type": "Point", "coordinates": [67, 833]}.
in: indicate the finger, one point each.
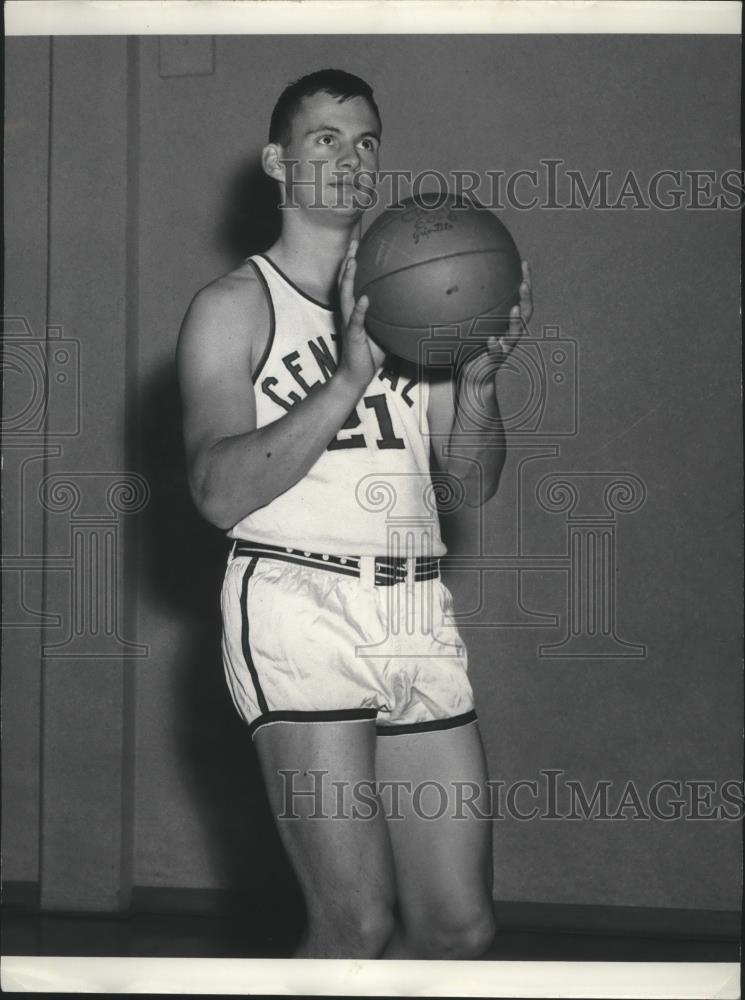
{"type": "Point", "coordinates": [516, 326]}
{"type": "Point", "coordinates": [526, 301]}
{"type": "Point", "coordinates": [356, 325]}
{"type": "Point", "coordinates": [527, 276]}
{"type": "Point", "coordinates": [351, 252]}
{"type": "Point", "coordinates": [497, 349]}
{"type": "Point", "coordinates": [346, 288]}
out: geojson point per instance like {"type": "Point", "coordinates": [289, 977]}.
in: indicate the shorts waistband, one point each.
{"type": "Point", "coordinates": [388, 570]}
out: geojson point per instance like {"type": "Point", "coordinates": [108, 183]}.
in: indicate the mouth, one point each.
{"type": "Point", "coordinates": [345, 193]}
{"type": "Point", "coordinates": [348, 193]}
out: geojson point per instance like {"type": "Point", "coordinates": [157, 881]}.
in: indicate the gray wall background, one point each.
{"type": "Point", "coordinates": [128, 162]}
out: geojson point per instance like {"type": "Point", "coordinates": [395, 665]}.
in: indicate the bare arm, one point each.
{"type": "Point", "coordinates": [233, 466]}
{"type": "Point", "coordinates": [472, 447]}
{"type": "Point", "coordinates": [466, 429]}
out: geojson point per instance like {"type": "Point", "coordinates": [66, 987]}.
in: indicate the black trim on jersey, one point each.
{"type": "Point", "coordinates": [332, 715]}
{"type": "Point", "coordinates": [425, 727]}
{"type": "Point", "coordinates": [244, 635]}
{"type": "Point", "coordinates": [272, 321]}
{"type": "Point", "coordinates": [281, 273]}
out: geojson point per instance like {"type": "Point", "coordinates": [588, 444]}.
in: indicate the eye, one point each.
{"type": "Point", "coordinates": [368, 144]}
{"type": "Point", "coordinates": [322, 139]}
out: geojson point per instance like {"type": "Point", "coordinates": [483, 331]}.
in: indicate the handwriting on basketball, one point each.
{"type": "Point", "coordinates": [427, 228]}
{"type": "Point", "coordinates": [428, 221]}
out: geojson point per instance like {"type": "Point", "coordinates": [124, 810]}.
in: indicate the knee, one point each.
{"type": "Point", "coordinates": [473, 938]}
{"type": "Point", "coordinates": [371, 930]}
{"type": "Point", "coordinates": [459, 936]}
{"type": "Point", "coordinates": [345, 933]}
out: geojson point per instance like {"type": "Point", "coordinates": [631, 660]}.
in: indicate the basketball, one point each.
{"type": "Point", "coordinates": [432, 262]}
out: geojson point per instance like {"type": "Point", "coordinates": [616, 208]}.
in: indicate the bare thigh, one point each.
{"type": "Point", "coordinates": [342, 858]}
{"type": "Point", "coordinates": [441, 845]}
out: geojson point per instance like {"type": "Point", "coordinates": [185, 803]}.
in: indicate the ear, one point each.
{"type": "Point", "coordinates": [271, 161]}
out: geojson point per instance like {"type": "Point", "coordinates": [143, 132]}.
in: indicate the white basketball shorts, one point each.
{"type": "Point", "coordinates": [317, 638]}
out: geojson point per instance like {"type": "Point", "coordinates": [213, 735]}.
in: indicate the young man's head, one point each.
{"type": "Point", "coordinates": [323, 141]}
{"type": "Point", "coordinates": [335, 82]}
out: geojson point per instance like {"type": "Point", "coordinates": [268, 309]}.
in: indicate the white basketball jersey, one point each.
{"type": "Point", "coordinates": [370, 492]}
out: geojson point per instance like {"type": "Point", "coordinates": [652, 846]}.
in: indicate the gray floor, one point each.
{"type": "Point", "coordinates": [269, 936]}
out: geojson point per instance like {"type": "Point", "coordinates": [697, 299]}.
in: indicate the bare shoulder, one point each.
{"type": "Point", "coordinates": [223, 334]}
{"type": "Point", "coordinates": [229, 317]}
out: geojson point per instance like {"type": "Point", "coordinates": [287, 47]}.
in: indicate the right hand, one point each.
{"type": "Point", "coordinates": [360, 357]}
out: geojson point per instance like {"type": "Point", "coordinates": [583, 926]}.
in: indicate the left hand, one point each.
{"type": "Point", "coordinates": [498, 348]}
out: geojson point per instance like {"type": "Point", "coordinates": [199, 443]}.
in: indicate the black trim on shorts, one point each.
{"type": "Point", "coordinates": [272, 321]}
{"type": "Point", "coordinates": [389, 570]}
{"type": "Point", "coordinates": [426, 727]}
{"type": "Point", "coordinates": [332, 715]}
{"type": "Point", "coordinates": [284, 556]}
{"type": "Point", "coordinates": [244, 635]}
{"type": "Point", "coordinates": [294, 287]}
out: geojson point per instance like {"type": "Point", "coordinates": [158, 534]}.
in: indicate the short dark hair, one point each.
{"type": "Point", "coordinates": [335, 82]}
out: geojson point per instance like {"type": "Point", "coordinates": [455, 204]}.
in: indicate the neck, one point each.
{"type": "Point", "coordinates": [311, 254]}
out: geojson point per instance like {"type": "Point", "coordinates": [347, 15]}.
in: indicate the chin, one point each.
{"type": "Point", "coordinates": [351, 201]}
{"type": "Point", "coordinates": [339, 216]}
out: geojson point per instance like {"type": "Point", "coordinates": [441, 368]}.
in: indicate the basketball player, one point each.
{"type": "Point", "coordinates": [292, 415]}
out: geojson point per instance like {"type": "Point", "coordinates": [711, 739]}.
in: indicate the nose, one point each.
{"type": "Point", "coordinates": [349, 158]}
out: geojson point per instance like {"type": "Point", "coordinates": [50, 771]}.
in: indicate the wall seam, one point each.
{"type": "Point", "coordinates": [45, 468]}
{"type": "Point", "coordinates": [132, 458]}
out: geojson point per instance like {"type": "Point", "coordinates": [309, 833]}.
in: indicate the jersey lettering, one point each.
{"type": "Point", "coordinates": [380, 405]}
{"type": "Point", "coordinates": [384, 435]}
{"type": "Point", "coordinates": [323, 357]}
{"type": "Point", "coordinates": [290, 363]}
{"type": "Point", "coordinates": [317, 359]}
{"type": "Point", "coordinates": [267, 387]}
{"type": "Point", "coordinates": [388, 439]}
{"type": "Point", "coordinates": [354, 440]}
